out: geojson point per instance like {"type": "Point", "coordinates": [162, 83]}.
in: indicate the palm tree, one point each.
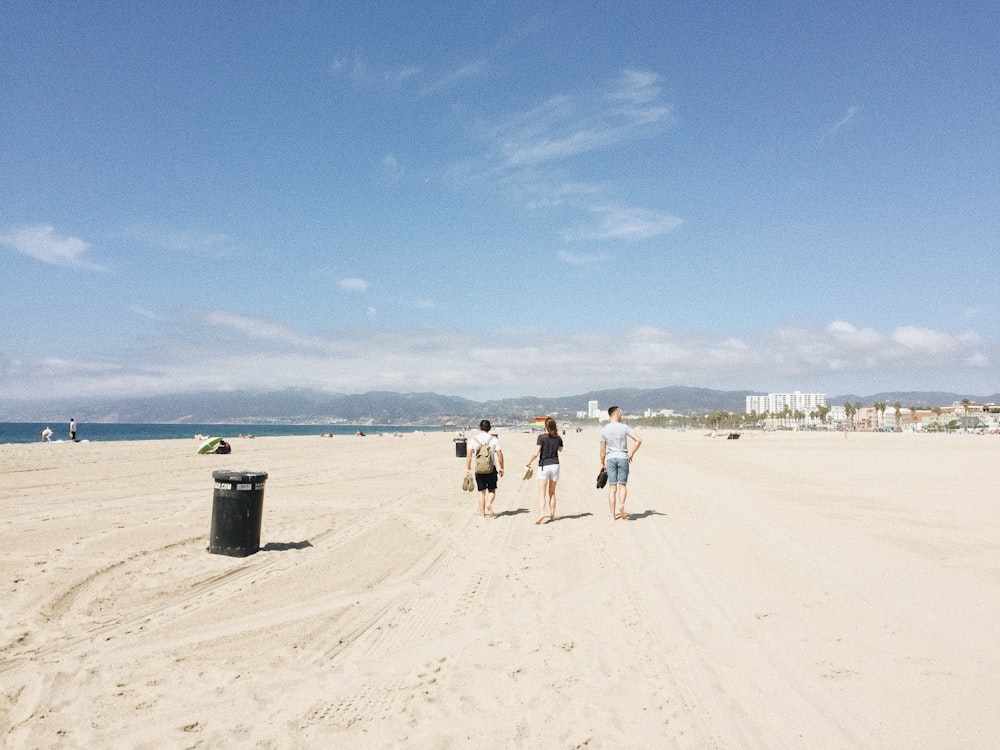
{"type": "Point", "coordinates": [857, 406]}
{"type": "Point", "coordinates": [849, 412]}
{"type": "Point", "coordinates": [898, 409]}
{"type": "Point", "coordinates": [879, 414]}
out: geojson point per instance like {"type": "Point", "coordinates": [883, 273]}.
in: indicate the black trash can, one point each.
{"type": "Point", "coordinates": [461, 448]}
{"type": "Point", "coordinates": [237, 507]}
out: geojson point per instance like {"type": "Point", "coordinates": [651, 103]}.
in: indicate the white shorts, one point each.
{"type": "Point", "coordinates": [549, 472]}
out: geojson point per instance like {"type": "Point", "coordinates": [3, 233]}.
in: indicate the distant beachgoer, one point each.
{"type": "Point", "coordinates": [223, 447]}
{"type": "Point", "coordinates": [45, 434]}
{"type": "Point", "coordinates": [615, 459]}
{"type": "Point", "coordinates": [72, 430]}
{"type": "Point", "coordinates": [488, 468]}
{"type": "Point", "coordinates": [547, 452]}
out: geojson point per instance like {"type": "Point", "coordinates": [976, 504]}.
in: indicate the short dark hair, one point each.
{"type": "Point", "coordinates": [485, 425]}
{"type": "Point", "coordinates": [613, 409]}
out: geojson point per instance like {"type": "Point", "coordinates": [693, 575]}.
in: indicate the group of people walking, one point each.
{"type": "Point", "coordinates": [484, 460]}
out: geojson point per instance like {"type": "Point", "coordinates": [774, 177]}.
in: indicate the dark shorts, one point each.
{"type": "Point", "coordinates": [486, 481]}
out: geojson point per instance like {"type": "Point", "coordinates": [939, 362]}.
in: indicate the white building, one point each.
{"type": "Point", "coordinates": [593, 410]}
{"type": "Point", "coordinates": [775, 403]}
{"type": "Point", "coordinates": [658, 413]}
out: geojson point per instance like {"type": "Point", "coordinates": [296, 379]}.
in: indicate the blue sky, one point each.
{"type": "Point", "coordinates": [498, 199]}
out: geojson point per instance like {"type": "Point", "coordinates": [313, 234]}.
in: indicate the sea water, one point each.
{"type": "Point", "coordinates": [27, 432]}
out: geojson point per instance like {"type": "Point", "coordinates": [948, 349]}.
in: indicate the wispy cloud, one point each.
{"type": "Point", "coordinates": [844, 121]}
{"type": "Point", "coordinates": [180, 240]}
{"type": "Point", "coordinates": [536, 149]}
{"type": "Point", "coordinates": [41, 242]}
{"type": "Point", "coordinates": [391, 167]}
{"type": "Point", "coordinates": [623, 223]}
{"type": "Point", "coordinates": [467, 72]}
{"type": "Point", "coordinates": [363, 72]}
{"type": "Point", "coordinates": [570, 125]}
{"type": "Point", "coordinates": [579, 259]}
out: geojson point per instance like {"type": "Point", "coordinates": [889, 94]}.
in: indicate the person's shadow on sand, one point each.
{"type": "Point", "coordinates": [644, 514]}
{"type": "Point", "coordinates": [284, 546]}
{"type": "Point", "coordinates": [515, 512]}
{"type": "Point", "coordinates": [570, 518]}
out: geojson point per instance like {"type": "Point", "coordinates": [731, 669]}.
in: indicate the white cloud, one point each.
{"type": "Point", "coordinates": [925, 339]}
{"type": "Point", "coordinates": [353, 285]}
{"type": "Point", "coordinates": [210, 349]}
{"type": "Point", "coordinates": [40, 241]}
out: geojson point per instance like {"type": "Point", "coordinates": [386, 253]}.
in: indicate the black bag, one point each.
{"type": "Point", "coordinates": [602, 480]}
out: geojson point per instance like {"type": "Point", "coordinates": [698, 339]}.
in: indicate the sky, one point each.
{"type": "Point", "coordinates": [498, 199]}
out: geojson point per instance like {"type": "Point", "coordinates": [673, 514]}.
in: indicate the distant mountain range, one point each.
{"type": "Point", "coordinates": [297, 406]}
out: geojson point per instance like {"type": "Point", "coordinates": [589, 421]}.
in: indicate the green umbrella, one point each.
{"type": "Point", "coordinates": [208, 444]}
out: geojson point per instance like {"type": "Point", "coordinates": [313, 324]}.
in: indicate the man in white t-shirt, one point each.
{"type": "Point", "coordinates": [615, 459]}
{"type": "Point", "coordinates": [486, 481]}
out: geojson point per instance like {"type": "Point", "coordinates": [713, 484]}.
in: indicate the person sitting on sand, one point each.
{"type": "Point", "coordinates": [489, 465]}
{"type": "Point", "coordinates": [547, 452]}
{"type": "Point", "coordinates": [223, 447]}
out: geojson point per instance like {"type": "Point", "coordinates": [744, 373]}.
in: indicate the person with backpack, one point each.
{"type": "Point", "coordinates": [484, 450]}
{"type": "Point", "coordinates": [547, 452]}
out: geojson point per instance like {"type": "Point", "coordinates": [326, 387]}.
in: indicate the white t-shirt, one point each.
{"type": "Point", "coordinates": [485, 438]}
{"type": "Point", "coordinates": [615, 436]}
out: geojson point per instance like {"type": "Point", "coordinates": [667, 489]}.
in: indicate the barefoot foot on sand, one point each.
{"type": "Point", "coordinates": [539, 521]}
{"type": "Point", "coordinates": [624, 515]}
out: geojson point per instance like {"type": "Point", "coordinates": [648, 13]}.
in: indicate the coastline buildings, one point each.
{"type": "Point", "coordinates": [775, 403]}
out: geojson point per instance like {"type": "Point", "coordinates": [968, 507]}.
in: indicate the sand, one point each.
{"type": "Point", "coordinates": [778, 591]}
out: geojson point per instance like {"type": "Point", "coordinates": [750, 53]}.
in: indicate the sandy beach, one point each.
{"type": "Point", "coordinates": [784, 590]}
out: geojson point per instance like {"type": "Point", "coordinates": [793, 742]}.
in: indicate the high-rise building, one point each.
{"type": "Point", "coordinates": [775, 403]}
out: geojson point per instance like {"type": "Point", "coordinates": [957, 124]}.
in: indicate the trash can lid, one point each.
{"type": "Point", "coordinates": [239, 475]}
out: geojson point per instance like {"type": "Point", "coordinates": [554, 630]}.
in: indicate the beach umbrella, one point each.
{"type": "Point", "coordinates": [208, 444]}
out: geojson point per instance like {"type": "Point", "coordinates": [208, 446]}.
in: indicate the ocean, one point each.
{"type": "Point", "coordinates": [27, 432]}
